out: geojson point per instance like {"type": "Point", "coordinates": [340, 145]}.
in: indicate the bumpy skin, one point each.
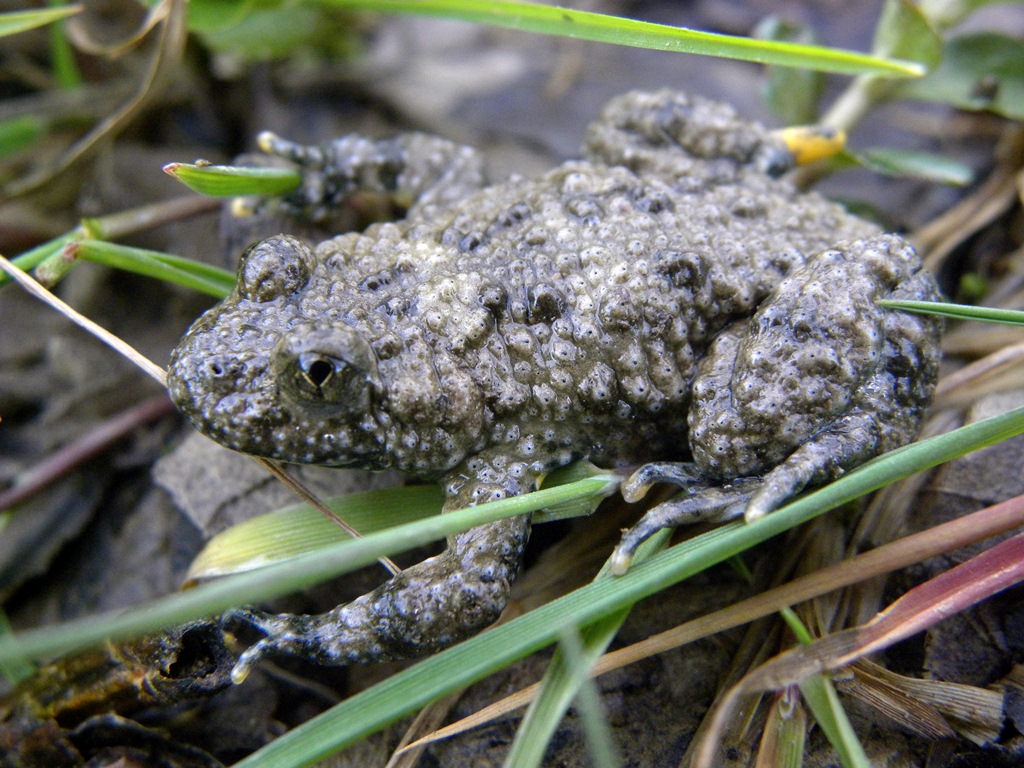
{"type": "Point", "coordinates": [663, 299]}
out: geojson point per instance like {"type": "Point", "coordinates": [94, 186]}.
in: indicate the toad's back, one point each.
{"type": "Point", "coordinates": [578, 303]}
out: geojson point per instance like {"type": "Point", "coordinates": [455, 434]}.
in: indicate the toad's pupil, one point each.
{"type": "Point", "coordinates": [319, 371]}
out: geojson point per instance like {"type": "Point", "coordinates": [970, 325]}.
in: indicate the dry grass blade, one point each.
{"type": "Point", "coordinates": [171, 45]}
{"type": "Point", "coordinates": [491, 712]}
{"type": "Point", "coordinates": [991, 200]}
{"type": "Point", "coordinates": [895, 703]}
{"type": "Point", "coordinates": [407, 754]}
{"type": "Point", "coordinates": [84, 41]}
{"type": "Point", "coordinates": [90, 445]}
{"type": "Point", "coordinates": [975, 713]}
{"type": "Point", "coordinates": [114, 225]}
{"type": "Point", "coordinates": [117, 344]}
{"type": "Point", "coordinates": [310, 498]}
{"type": "Point", "coordinates": [890, 557]}
{"type": "Point", "coordinates": [996, 372]}
{"type": "Point", "coordinates": [998, 568]}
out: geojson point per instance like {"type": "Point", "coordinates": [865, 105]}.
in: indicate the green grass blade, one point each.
{"type": "Point", "coordinates": [234, 180]}
{"type": "Point", "coordinates": [570, 473]}
{"type": "Point", "coordinates": [598, 736]}
{"type": "Point", "coordinates": [474, 659]}
{"type": "Point", "coordinates": [957, 311]}
{"type": "Point", "coordinates": [14, 670]}
{"type": "Point", "coordinates": [822, 700]}
{"type": "Point", "coordinates": [553, 20]}
{"type": "Point", "coordinates": [926, 166]}
{"type": "Point", "coordinates": [568, 673]}
{"type": "Point", "coordinates": [296, 530]}
{"type": "Point", "coordinates": [62, 55]}
{"type": "Point", "coordinates": [33, 258]}
{"type": "Point", "coordinates": [281, 578]}
{"type": "Point", "coordinates": [162, 266]}
{"type": "Point", "coordinates": [20, 132]}
{"type": "Point", "coordinates": [13, 22]}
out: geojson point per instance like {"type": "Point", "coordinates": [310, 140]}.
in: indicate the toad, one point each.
{"type": "Point", "coordinates": [667, 299]}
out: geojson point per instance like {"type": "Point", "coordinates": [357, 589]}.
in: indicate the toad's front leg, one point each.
{"type": "Point", "coordinates": [423, 609]}
{"type": "Point", "coordinates": [411, 169]}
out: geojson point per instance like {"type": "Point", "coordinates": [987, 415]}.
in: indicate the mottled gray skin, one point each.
{"type": "Point", "coordinates": [663, 299]}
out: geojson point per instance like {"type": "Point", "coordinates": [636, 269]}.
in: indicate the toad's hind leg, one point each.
{"type": "Point", "coordinates": [421, 610]}
{"type": "Point", "coordinates": [818, 381]}
{"type": "Point", "coordinates": [663, 133]}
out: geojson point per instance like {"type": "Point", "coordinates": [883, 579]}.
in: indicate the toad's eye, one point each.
{"type": "Point", "coordinates": [277, 266]}
{"type": "Point", "coordinates": [329, 365]}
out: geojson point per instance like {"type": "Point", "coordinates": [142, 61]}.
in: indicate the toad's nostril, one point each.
{"type": "Point", "coordinates": [221, 368]}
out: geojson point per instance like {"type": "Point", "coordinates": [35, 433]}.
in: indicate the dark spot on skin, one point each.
{"type": "Point", "coordinates": [495, 298]}
{"type": "Point", "coordinates": [471, 241]}
{"type": "Point", "coordinates": [586, 209]}
{"type": "Point", "coordinates": [685, 268]}
{"type": "Point", "coordinates": [509, 218]}
{"type": "Point", "coordinates": [546, 303]}
{"type": "Point", "coordinates": [387, 346]}
{"type": "Point", "coordinates": [652, 200]}
{"type": "Point", "coordinates": [389, 173]}
{"type": "Point", "coordinates": [377, 281]}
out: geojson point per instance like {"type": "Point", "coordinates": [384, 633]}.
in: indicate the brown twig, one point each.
{"type": "Point", "coordinates": [89, 446]}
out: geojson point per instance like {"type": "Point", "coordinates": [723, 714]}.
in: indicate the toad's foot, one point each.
{"type": "Point", "coordinates": [409, 169]}
{"type": "Point", "coordinates": [697, 502]}
{"type": "Point", "coordinates": [422, 610]}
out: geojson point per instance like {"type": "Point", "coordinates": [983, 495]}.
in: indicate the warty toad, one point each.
{"type": "Point", "coordinates": [665, 300]}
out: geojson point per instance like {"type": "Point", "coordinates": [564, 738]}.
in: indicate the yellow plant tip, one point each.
{"type": "Point", "coordinates": [266, 140]}
{"type": "Point", "coordinates": [242, 207]}
{"type": "Point", "coordinates": [811, 143]}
